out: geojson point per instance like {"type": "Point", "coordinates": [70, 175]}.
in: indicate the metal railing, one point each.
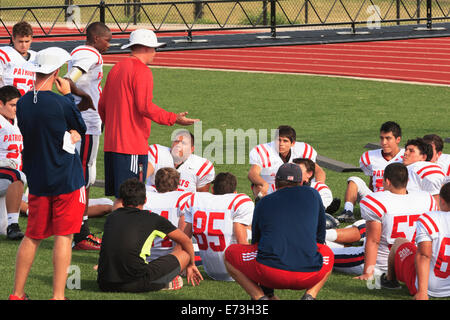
{"type": "Point", "coordinates": [71, 18]}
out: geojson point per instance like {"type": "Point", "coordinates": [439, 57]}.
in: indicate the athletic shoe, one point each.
{"type": "Point", "coordinates": [13, 297]}
{"type": "Point", "coordinates": [13, 232]}
{"type": "Point", "coordinates": [331, 222]}
{"type": "Point", "coordinates": [334, 206]}
{"type": "Point", "coordinates": [389, 284]}
{"type": "Point", "coordinates": [86, 244]}
{"type": "Point", "coordinates": [346, 216]}
{"type": "Point", "coordinates": [307, 296]}
{"type": "Point", "coordinates": [95, 239]}
{"type": "Point", "coordinates": [175, 284]}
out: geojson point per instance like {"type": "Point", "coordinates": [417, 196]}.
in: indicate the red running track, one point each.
{"type": "Point", "coordinates": [419, 60]}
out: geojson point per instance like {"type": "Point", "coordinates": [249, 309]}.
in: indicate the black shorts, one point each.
{"type": "Point", "coordinates": [120, 167]}
{"type": "Point", "coordinates": [159, 273]}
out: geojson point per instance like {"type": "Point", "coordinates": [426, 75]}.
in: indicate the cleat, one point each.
{"type": "Point", "coordinates": [389, 284]}
{"type": "Point", "coordinates": [13, 232]}
{"type": "Point", "coordinates": [95, 239]}
{"type": "Point", "coordinates": [346, 216]}
{"type": "Point", "coordinates": [307, 296]}
{"type": "Point", "coordinates": [334, 206]}
{"type": "Point", "coordinates": [175, 284]}
{"type": "Point", "coordinates": [13, 297]}
{"type": "Point", "coordinates": [86, 244]}
{"type": "Point", "coordinates": [331, 222]}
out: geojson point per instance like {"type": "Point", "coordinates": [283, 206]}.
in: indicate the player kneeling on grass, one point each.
{"type": "Point", "coordinates": [128, 236]}
{"type": "Point", "coordinates": [12, 179]}
{"type": "Point", "coordinates": [424, 269]}
{"type": "Point", "coordinates": [288, 236]}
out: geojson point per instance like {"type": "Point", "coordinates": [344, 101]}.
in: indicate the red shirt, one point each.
{"type": "Point", "coordinates": [127, 110]}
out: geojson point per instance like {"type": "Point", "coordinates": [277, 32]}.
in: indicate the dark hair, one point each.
{"type": "Point", "coordinates": [279, 184]}
{"type": "Point", "coordinates": [397, 173]}
{"type": "Point", "coordinates": [225, 182]}
{"type": "Point", "coordinates": [22, 29]}
{"type": "Point", "coordinates": [8, 93]}
{"type": "Point", "coordinates": [436, 140]}
{"type": "Point", "coordinates": [167, 179]}
{"type": "Point", "coordinates": [391, 126]}
{"type": "Point", "coordinates": [287, 132]}
{"type": "Point", "coordinates": [308, 163]}
{"type": "Point", "coordinates": [132, 192]}
{"type": "Point", "coordinates": [424, 148]}
{"type": "Point", "coordinates": [445, 193]}
{"type": "Point", "coordinates": [96, 29]}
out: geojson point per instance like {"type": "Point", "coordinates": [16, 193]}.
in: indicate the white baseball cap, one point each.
{"type": "Point", "coordinates": [48, 60]}
{"type": "Point", "coordinates": [144, 37]}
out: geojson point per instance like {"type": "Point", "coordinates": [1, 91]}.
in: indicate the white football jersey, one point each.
{"type": "Point", "coordinates": [397, 214]}
{"type": "Point", "coordinates": [444, 162]}
{"type": "Point", "coordinates": [212, 217]}
{"type": "Point", "coordinates": [11, 142]}
{"type": "Point", "coordinates": [324, 191]}
{"type": "Point", "coordinates": [195, 172]}
{"type": "Point", "coordinates": [13, 70]}
{"type": "Point", "coordinates": [166, 205]}
{"type": "Point", "coordinates": [268, 158]}
{"type": "Point", "coordinates": [426, 176]}
{"type": "Point", "coordinates": [89, 60]}
{"type": "Point", "coordinates": [372, 163]}
{"type": "Point", "coordinates": [435, 227]}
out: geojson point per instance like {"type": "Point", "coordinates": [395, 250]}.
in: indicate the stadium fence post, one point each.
{"type": "Point", "coordinates": [102, 11]}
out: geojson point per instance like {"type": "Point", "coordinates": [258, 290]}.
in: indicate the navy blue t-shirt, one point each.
{"type": "Point", "coordinates": [50, 170]}
{"type": "Point", "coordinates": [287, 225]}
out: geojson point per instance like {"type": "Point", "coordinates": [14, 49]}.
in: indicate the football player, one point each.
{"type": "Point", "coordinates": [12, 179]}
{"type": "Point", "coordinates": [13, 59]}
{"type": "Point", "coordinates": [196, 173]}
{"type": "Point", "coordinates": [372, 163]}
{"type": "Point", "coordinates": [440, 158]}
{"type": "Point", "coordinates": [217, 220]}
{"type": "Point", "coordinates": [265, 159]}
{"type": "Point", "coordinates": [85, 73]}
{"type": "Point", "coordinates": [423, 174]}
{"type": "Point", "coordinates": [424, 269]}
{"type": "Point", "coordinates": [389, 215]}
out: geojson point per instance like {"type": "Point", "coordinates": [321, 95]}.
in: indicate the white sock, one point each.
{"type": "Point", "coordinates": [13, 218]}
{"type": "Point", "coordinates": [348, 206]}
{"type": "Point", "coordinates": [85, 219]}
{"type": "Point", "coordinates": [331, 235]}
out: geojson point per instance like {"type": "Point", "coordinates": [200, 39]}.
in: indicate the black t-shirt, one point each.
{"type": "Point", "coordinates": [127, 240]}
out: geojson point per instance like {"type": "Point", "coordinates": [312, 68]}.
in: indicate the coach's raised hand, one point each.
{"type": "Point", "coordinates": [184, 121]}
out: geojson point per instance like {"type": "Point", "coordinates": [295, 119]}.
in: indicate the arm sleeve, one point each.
{"type": "Point", "coordinates": [206, 175]}
{"type": "Point", "coordinates": [84, 60]}
{"type": "Point", "coordinates": [243, 211]}
{"type": "Point", "coordinates": [364, 164]}
{"type": "Point", "coordinates": [143, 84]}
{"type": "Point", "coordinates": [433, 183]}
{"type": "Point", "coordinates": [422, 233]}
{"type": "Point", "coordinates": [370, 211]}
{"type": "Point", "coordinates": [254, 157]}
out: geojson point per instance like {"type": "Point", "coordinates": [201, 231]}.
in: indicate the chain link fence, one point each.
{"type": "Point", "coordinates": [52, 16]}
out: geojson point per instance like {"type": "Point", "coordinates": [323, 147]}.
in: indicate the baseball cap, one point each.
{"type": "Point", "coordinates": [289, 172]}
{"type": "Point", "coordinates": [48, 60]}
{"type": "Point", "coordinates": [144, 37]}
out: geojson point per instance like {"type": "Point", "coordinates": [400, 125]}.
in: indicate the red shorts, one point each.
{"type": "Point", "coordinates": [55, 215]}
{"type": "Point", "coordinates": [405, 269]}
{"type": "Point", "coordinates": [243, 258]}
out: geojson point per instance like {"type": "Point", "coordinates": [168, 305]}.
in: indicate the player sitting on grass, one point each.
{"type": "Point", "coordinates": [265, 159]}
{"type": "Point", "coordinates": [12, 179]}
{"type": "Point", "coordinates": [372, 163]}
{"type": "Point", "coordinates": [389, 215]}
{"type": "Point", "coordinates": [424, 266]}
{"type": "Point", "coordinates": [129, 233]}
{"type": "Point", "coordinates": [218, 220]}
{"type": "Point", "coordinates": [196, 173]}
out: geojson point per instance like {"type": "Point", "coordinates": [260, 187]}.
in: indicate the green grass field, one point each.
{"type": "Point", "coordinates": [337, 116]}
